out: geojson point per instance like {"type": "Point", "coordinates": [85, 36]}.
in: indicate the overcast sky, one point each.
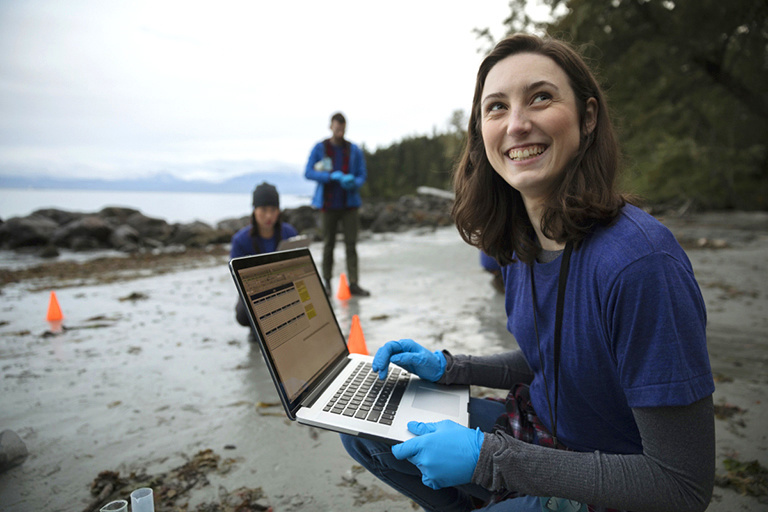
{"type": "Point", "coordinates": [107, 88]}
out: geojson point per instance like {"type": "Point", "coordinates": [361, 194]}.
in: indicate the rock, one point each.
{"type": "Point", "coordinates": [49, 251]}
{"type": "Point", "coordinates": [13, 451]}
{"type": "Point", "coordinates": [86, 233]}
{"type": "Point", "coordinates": [425, 210]}
{"type": "Point", "coordinates": [233, 225]}
{"type": "Point", "coordinates": [197, 234]}
{"type": "Point", "coordinates": [60, 217]}
{"type": "Point", "coordinates": [303, 218]}
{"type": "Point", "coordinates": [389, 219]}
{"type": "Point", "coordinates": [33, 230]}
{"type": "Point", "coordinates": [150, 228]}
{"type": "Point", "coordinates": [125, 238]}
{"type": "Point", "coordinates": [117, 214]}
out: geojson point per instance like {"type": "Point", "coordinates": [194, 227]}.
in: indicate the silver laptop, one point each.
{"type": "Point", "coordinates": [295, 242]}
{"type": "Point", "coordinates": [313, 371]}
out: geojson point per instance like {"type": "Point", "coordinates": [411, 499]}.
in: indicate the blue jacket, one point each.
{"type": "Point", "coordinates": [356, 168]}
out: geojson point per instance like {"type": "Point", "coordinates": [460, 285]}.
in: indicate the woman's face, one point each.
{"type": "Point", "coordinates": [530, 123]}
{"type": "Point", "coordinates": [266, 216]}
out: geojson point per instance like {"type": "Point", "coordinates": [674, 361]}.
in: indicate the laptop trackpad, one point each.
{"type": "Point", "coordinates": [437, 401]}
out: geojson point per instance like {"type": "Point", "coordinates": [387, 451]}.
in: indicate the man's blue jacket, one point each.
{"type": "Point", "coordinates": [356, 168]}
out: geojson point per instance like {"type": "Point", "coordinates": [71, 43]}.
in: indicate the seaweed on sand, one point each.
{"type": "Point", "coordinates": [171, 489]}
{"type": "Point", "coordinates": [748, 478]}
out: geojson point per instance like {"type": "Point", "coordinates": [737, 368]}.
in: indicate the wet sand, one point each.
{"type": "Point", "coordinates": [153, 370]}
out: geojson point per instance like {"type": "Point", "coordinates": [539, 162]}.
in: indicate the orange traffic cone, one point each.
{"type": "Point", "coordinates": [356, 340]}
{"type": "Point", "coordinates": [343, 293]}
{"type": "Point", "coordinates": [54, 311]}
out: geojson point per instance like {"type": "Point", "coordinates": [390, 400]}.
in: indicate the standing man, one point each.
{"type": "Point", "coordinates": [338, 167]}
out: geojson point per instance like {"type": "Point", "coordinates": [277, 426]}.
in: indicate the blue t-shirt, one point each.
{"type": "Point", "coordinates": [488, 263]}
{"type": "Point", "coordinates": [242, 243]}
{"type": "Point", "coordinates": [633, 332]}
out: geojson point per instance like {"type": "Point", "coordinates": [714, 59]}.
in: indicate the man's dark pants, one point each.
{"type": "Point", "coordinates": [350, 225]}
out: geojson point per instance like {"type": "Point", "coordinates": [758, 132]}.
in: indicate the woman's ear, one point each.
{"type": "Point", "coordinates": [590, 117]}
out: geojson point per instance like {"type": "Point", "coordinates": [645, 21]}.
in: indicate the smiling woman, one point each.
{"type": "Point", "coordinates": [609, 403]}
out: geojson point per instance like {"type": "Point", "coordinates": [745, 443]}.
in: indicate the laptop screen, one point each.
{"type": "Point", "coordinates": [294, 318]}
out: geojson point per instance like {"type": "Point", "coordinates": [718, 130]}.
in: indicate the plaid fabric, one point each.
{"type": "Point", "coordinates": [332, 189]}
{"type": "Point", "coordinates": [521, 422]}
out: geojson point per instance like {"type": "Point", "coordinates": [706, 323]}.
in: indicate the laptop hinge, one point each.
{"type": "Point", "coordinates": [311, 398]}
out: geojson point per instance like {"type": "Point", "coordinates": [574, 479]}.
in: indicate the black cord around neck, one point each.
{"type": "Point", "coordinates": [560, 305]}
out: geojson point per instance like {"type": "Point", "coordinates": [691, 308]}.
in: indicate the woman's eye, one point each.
{"type": "Point", "coordinates": [542, 96]}
{"type": "Point", "coordinates": [493, 107]}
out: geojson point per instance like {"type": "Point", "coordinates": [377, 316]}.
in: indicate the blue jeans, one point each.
{"type": "Point", "coordinates": [405, 478]}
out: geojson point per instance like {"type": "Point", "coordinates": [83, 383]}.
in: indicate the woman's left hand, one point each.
{"type": "Point", "coordinates": [445, 452]}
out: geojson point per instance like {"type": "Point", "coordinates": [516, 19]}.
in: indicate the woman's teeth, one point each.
{"type": "Point", "coordinates": [529, 152]}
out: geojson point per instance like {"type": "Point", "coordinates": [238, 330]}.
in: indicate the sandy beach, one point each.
{"type": "Point", "coordinates": [154, 381]}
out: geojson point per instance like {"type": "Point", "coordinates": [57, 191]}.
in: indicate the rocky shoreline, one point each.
{"type": "Point", "coordinates": [46, 232]}
{"type": "Point", "coordinates": [49, 246]}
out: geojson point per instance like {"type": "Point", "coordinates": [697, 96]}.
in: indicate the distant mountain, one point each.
{"type": "Point", "coordinates": [286, 183]}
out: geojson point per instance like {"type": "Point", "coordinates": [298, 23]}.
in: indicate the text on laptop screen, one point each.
{"type": "Point", "coordinates": [294, 319]}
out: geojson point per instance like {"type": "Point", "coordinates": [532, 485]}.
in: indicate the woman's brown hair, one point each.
{"type": "Point", "coordinates": [490, 214]}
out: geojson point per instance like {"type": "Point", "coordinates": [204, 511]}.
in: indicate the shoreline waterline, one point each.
{"type": "Point", "coordinates": [173, 207]}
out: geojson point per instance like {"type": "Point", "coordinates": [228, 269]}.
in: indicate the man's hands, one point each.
{"type": "Point", "coordinates": [347, 181]}
{"type": "Point", "coordinates": [445, 452]}
{"type": "Point", "coordinates": [413, 357]}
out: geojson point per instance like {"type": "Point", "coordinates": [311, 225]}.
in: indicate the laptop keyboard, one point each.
{"type": "Point", "coordinates": [364, 396]}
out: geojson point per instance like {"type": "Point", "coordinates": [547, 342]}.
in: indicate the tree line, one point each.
{"type": "Point", "coordinates": [687, 81]}
{"type": "Point", "coordinates": [400, 168]}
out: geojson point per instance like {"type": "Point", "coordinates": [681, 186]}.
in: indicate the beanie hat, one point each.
{"type": "Point", "coordinates": [266, 195]}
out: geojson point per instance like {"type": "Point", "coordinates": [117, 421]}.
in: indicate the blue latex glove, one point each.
{"type": "Point", "coordinates": [348, 182]}
{"type": "Point", "coordinates": [445, 452]}
{"type": "Point", "coordinates": [413, 357]}
{"type": "Point", "coordinates": [337, 176]}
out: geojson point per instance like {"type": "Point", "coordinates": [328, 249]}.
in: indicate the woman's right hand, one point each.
{"type": "Point", "coordinates": [411, 356]}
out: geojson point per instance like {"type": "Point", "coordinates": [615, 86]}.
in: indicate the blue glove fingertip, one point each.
{"type": "Point", "coordinates": [419, 428]}
{"type": "Point", "coordinates": [397, 451]}
{"type": "Point", "coordinates": [414, 427]}
{"type": "Point", "coordinates": [380, 359]}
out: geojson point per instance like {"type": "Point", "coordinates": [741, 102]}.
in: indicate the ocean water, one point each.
{"type": "Point", "coordinates": [173, 207]}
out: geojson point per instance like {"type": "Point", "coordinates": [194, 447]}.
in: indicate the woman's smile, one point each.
{"type": "Point", "coordinates": [526, 153]}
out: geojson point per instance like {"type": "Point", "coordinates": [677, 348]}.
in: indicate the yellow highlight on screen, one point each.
{"type": "Point", "coordinates": [303, 292]}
